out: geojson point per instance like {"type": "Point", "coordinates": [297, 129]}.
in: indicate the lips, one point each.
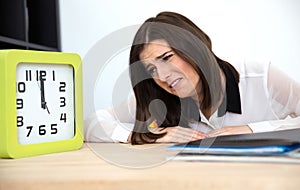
{"type": "Point", "coordinates": [174, 83]}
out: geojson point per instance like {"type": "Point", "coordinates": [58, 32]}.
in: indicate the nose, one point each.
{"type": "Point", "coordinates": [163, 72]}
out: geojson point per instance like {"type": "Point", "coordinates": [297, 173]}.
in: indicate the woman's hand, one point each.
{"type": "Point", "coordinates": [179, 135]}
{"type": "Point", "coordinates": [230, 130]}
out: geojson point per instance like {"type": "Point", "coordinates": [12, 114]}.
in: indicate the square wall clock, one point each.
{"type": "Point", "coordinates": [40, 103]}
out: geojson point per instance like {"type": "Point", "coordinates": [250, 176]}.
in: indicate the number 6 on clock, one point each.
{"type": "Point", "coordinates": [41, 103]}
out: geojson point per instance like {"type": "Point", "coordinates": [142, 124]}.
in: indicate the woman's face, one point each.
{"type": "Point", "coordinates": [169, 71]}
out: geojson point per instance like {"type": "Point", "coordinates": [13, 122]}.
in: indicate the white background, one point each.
{"type": "Point", "coordinates": [267, 30]}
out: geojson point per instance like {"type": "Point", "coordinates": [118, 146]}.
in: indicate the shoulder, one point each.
{"type": "Point", "coordinates": [251, 68]}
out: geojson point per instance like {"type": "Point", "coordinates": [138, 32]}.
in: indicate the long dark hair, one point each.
{"type": "Point", "coordinates": [192, 45]}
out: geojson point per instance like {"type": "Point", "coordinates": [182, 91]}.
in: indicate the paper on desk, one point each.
{"type": "Point", "coordinates": [234, 158]}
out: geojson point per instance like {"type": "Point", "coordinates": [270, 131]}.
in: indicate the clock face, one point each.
{"type": "Point", "coordinates": [45, 102]}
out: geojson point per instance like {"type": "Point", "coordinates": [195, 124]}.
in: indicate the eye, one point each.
{"type": "Point", "coordinates": [151, 70]}
{"type": "Point", "coordinates": [167, 57]}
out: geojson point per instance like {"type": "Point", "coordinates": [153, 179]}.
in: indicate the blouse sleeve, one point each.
{"type": "Point", "coordinates": [284, 94]}
{"type": "Point", "coordinates": [111, 125]}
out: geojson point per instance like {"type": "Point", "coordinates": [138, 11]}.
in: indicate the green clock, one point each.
{"type": "Point", "coordinates": [41, 103]}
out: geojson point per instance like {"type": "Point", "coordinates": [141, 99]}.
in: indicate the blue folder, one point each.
{"type": "Point", "coordinates": [256, 144]}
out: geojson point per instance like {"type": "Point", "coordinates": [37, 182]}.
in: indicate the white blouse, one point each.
{"type": "Point", "coordinates": [270, 100]}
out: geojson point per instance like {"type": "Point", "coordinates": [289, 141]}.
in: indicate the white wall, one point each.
{"type": "Point", "coordinates": [239, 29]}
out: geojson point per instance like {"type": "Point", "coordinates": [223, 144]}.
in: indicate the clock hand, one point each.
{"type": "Point", "coordinates": [43, 102]}
{"type": "Point", "coordinates": [47, 108]}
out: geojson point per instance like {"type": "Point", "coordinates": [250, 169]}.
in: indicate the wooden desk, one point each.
{"type": "Point", "coordinates": [85, 169]}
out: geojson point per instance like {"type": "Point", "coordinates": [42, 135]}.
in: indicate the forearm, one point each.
{"type": "Point", "coordinates": [230, 130]}
{"type": "Point", "coordinates": [103, 127]}
{"type": "Point", "coordinates": [273, 125]}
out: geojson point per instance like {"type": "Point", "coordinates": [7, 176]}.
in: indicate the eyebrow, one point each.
{"type": "Point", "coordinates": [158, 57]}
{"type": "Point", "coordinates": [162, 55]}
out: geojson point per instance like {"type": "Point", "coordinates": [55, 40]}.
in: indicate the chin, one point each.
{"type": "Point", "coordinates": [181, 95]}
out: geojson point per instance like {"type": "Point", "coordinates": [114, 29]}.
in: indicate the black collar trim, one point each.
{"type": "Point", "coordinates": [232, 100]}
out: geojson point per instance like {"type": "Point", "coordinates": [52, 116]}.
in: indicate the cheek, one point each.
{"type": "Point", "coordinates": [194, 77]}
{"type": "Point", "coordinates": [163, 85]}
{"type": "Point", "coordinates": [189, 72]}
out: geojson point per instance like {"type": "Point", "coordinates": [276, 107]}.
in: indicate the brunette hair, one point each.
{"type": "Point", "coordinates": [192, 45]}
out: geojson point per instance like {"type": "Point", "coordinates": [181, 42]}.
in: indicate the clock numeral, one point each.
{"type": "Point", "coordinates": [53, 129]}
{"type": "Point", "coordinates": [19, 103]}
{"type": "Point", "coordinates": [42, 130]}
{"type": "Point", "coordinates": [28, 75]}
{"type": "Point", "coordinates": [62, 102]}
{"type": "Point", "coordinates": [21, 87]}
{"type": "Point", "coordinates": [62, 87]}
{"type": "Point", "coordinates": [53, 75]}
{"type": "Point", "coordinates": [30, 129]}
{"type": "Point", "coordinates": [63, 117]}
{"type": "Point", "coordinates": [20, 122]}
{"type": "Point", "coordinates": [40, 75]}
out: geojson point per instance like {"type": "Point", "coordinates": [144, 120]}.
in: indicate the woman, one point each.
{"type": "Point", "coordinates": [185, 92]}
